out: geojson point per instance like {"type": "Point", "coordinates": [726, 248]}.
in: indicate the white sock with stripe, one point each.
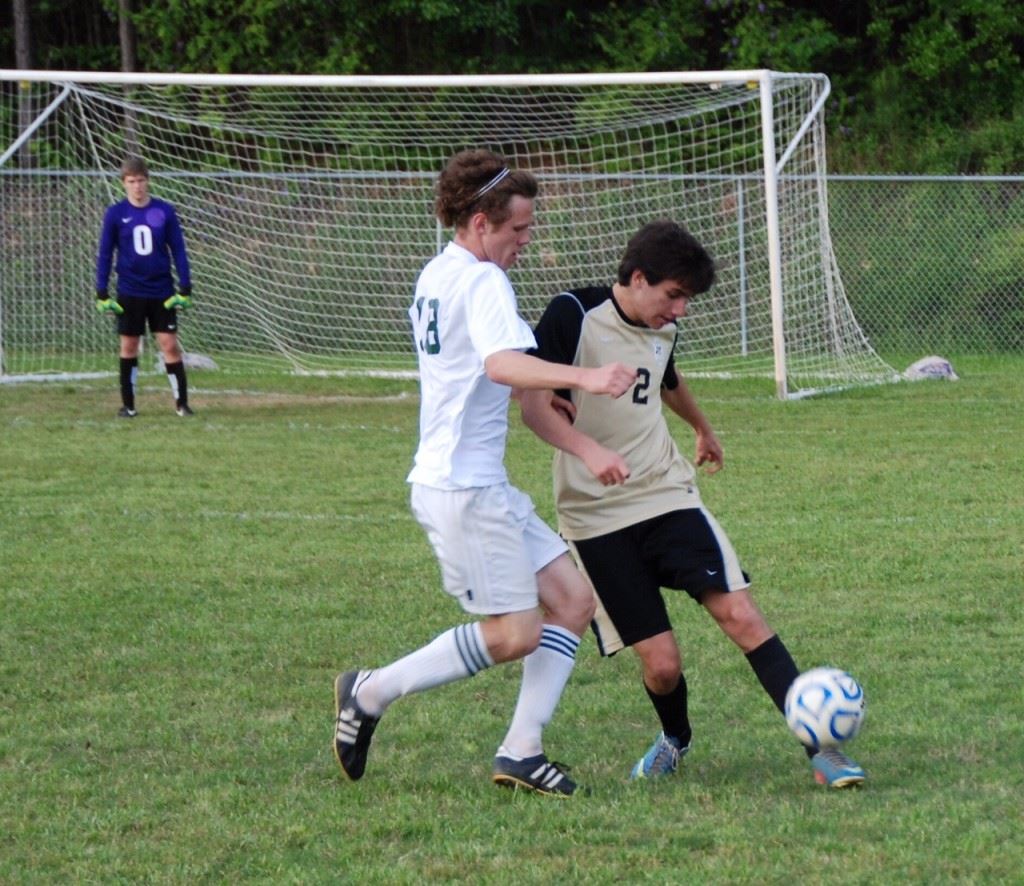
{"type": "Point", "coordinates": [546, 670]}
{"type": "Point", "coordinates": [454, 655]}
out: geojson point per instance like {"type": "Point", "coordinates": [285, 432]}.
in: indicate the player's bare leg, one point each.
{"type": "Point", "coordinates": [739, 617]}
{"type": "Point", "coordinates": [566, 595]}
{"type": "Point", "coordinates": [666, 687]}
{"type": "Point", "coordinates": [512, 636]}
{"type": "Point", "coordinates": [661, 662]}
{"type": "Point", "coordinates": [743, 622]}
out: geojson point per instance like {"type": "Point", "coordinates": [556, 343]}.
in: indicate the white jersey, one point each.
{"type": "Point", "coordinates": [464, 310]}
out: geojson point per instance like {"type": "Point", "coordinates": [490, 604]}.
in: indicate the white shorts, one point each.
{"type": "Point", "coordinates": [490, 543]}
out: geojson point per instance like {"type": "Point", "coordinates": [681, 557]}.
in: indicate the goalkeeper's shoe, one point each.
{"type": "Point", "coordinates": [353, 728]}
{"type": "Point", "coordinates": [536, 774]}
{"type": "Point", "coordinates": [662, 758]}
{"type": "Point", "coordinates": [178, 301]}
{"type": "Point", "coordinates": [108, 304]}
{"type": "Point", "coordinates": [183, 410]}
{"type": "Point", "coordinates": [126, 412]}
{"type": "Point", "coordinates": [833, 768]}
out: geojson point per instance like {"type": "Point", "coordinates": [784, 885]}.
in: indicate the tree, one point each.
{"type": "Point", "coordinates": [22, 45]}
{"type": "Point", "coordinates": [352, 36]}
{"type": "Point", "coordinates": [948, 90]}
{"type": "Point", "coordinates": [918, 85]}
{"type": "Point", "coordinates": [126, 35]}
{"type": "Point", "coordinates": [23, 61]}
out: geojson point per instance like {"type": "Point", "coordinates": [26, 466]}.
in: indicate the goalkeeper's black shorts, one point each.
{"type": "Point", "coordinates": [140, 311]}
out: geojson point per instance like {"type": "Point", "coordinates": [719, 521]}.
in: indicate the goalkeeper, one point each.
{"type": "Point", "coordinates": [650, 531]}
{"type": "Point", "coordinates": [146, 235]}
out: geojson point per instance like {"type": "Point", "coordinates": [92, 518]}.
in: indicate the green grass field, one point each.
{"type": "Point", "coordinates": [178, 596]}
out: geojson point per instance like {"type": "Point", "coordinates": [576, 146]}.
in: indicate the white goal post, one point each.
{"type": "Point", "coordinates": [307, 206]}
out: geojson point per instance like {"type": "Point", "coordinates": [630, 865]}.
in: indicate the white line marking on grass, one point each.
{"type": "Point", "coordinates": [303, 398]}
{"type": "Point", "coordinates": [299, 516]}
{"type": "Point", "coordinates": [75, 511]}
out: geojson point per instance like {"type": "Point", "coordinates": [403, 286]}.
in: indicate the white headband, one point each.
{"type": "Point", "coordinates": [494, 181]}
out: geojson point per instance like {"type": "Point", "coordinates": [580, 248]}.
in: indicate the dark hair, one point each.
{"type": "Point", "coordinates": [467, 186]}
{"type": "Point", "coordinates": [664, 250]}
{"type": "Point", "coordinates": [134, 166]}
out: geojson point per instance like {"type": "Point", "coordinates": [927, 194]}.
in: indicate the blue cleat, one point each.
{"type": "Point", "coordinates": [662, 758]}
{"type": "Point", "coordinates": [833, 768]}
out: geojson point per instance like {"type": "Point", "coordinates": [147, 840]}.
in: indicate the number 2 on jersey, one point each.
{"type": "Point", "coordinates": [643, 382]}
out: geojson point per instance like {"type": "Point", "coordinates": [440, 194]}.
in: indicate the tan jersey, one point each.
{"type": "Point", "coordinates": [586, 328]}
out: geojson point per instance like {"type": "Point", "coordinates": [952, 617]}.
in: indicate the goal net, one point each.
{"type": "Point", "coordinates": [307, 207]}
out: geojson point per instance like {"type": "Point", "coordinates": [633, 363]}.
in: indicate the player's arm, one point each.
{"type": "Point", "coordinates": [176, 242]}
{"type": "Point", "coordinates": [105, 255]}
{"type": "Point", "coordinates": [519, 370]}
{"type": "Point", "coordinates": [104, 262]}
{"type": "Point", "coordinates": [543, 415]}
{"type": "Point", "coordinates": [681, 401]}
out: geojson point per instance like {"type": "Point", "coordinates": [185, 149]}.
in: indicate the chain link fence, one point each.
{"type": "Point", "coordinates": [932, 264]}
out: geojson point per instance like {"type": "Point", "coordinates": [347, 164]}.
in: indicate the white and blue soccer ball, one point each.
{"type": "Point", "coordinates": [825, 707]}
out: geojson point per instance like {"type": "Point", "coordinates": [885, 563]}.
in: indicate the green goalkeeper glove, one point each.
{"type": "Point", "coordinates": [178, 301]}
{"type": "Point", "coordinates": [108, 304]}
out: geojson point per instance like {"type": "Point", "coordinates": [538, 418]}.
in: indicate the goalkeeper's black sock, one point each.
{"type": "Point", "coordinates": [776, 670]}
{"type": "Point", "coordinates": [129, 372]}
{"type": "Point", "coordinates": [672, 711]}
{"type": "Point", "coordinates": [176, 376]}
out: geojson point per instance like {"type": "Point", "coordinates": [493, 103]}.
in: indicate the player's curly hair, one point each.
{"type": "Point", "coordinates": [472, 182]}
{"type": "Point", "coordinates": [665, 250]}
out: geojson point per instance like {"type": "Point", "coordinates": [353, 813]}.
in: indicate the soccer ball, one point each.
{"type": "Point", "coordinates": [825, 707]}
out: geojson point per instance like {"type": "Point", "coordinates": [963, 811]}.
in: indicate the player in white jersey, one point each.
{"type": "Point", "coordinates": [498, 558]}
{"type": "Point", "coordinates": [651, 531]}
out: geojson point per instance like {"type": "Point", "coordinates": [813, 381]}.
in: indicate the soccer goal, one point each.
{"type": "Point", "coordinates": [307, 205]}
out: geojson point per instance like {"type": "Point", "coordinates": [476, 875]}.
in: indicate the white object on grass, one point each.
{"type": "Point", "coordinates": [930, 367]}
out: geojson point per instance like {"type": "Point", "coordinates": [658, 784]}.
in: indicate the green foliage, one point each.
{"type": "Point", "coordinates": [655, 36]}
{"type": "Point", "coordinates": [929, 86]}
{"type": "Point", "coordinates": [170, 640]}
{"type": "Point", "coordinates": [393, 36]}
{"type": "Point", "coordinates": [947, 93]}
{"type": "Point", "coordinates": [773, 34]}
{"type": "Point", "coordinates": [65, 35]}
{"type": "Point", "coordinates": [223, 36]}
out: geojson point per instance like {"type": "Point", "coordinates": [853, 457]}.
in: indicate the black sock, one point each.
{"type": "Point", "coordinates": [129, 369]}
{"type": "Point", "coordinates": [176, 376]}
{"type": "Point", "coordinates": [776, 670]}
{"type": "Point", "coordinates": [672, 711]}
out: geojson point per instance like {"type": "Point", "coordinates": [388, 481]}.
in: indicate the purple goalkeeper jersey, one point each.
{"type": "Point", "coordinates": [146, 239]}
